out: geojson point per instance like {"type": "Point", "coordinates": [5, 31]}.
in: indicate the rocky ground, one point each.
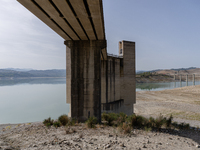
{"type": "Point", "coordinates": [36, 136]}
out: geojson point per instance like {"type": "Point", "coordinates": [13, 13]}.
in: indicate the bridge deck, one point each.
{"type": "Point", "coordinates": [71, 19]}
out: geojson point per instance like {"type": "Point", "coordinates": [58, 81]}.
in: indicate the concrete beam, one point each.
{"type": "Point", "coordinates": [51, 11]}
{"type": "Point", "coordinates": [96, 11]}
{"type": "Point", "coordinates": [81, 12]}
{"type": "Point", "coordinates": [71, 18]}
{"type": "Point", "coordinates": [43, 17]}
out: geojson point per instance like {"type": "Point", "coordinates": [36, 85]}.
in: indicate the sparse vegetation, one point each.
{"type": "Point", "coordinates": [168, 121]}
{"type": "Point", "coordinates": [137, 121]}
{"type": "Point", "coordinates": [56, 124]}
{"type": "Point", "coordinates": [48, 122]}
{"type": "Point", "coordinates": [109, 118]}
{"type": "Point", "coordinates": [72, 121]}
{"type": "Point", "coordinates": [91, 122]}
{"type": "Point", "coordinates": [123, 122]}
{"type": "Point", "coordinates": [63, 119]}
{"type": "Point", "coordinates": [159, 122]}
{"type": "Point", "coordinates": [121, 119]}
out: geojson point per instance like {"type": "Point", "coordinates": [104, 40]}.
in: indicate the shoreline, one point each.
{"type": "Point", "coordinates": [183, 103]}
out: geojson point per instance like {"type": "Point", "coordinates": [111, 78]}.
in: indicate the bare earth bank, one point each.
{"type": "Point", "coordinates": [183, 103]}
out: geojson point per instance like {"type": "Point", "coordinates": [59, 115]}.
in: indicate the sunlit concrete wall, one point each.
{"type": "Point", "coordinates": [118, 80]}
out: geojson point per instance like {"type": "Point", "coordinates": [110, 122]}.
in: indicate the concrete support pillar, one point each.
{"type": "Point", "coordinates": [174, 77]}
{"type": "Point", "coordinates": [83, 75]}
{"type": "Point", "coordinates": [127, 73]}
{"type": "Point", "coordinates": [193, 79]}
{"type": "Point", "coordinates": [186, 79]}
{"type": "Point", "coordinates": [180, 77]}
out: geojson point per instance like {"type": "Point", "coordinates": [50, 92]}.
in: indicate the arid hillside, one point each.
{"type": "Point", "coordinates": [180, 71]}
{"type": "Point", "coordinates": [167, 75]}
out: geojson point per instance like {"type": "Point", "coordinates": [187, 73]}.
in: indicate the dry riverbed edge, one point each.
{"type": "Point", "coordinates": [36, 136]}
{"type": "Point", "coordinates": [183, 103]}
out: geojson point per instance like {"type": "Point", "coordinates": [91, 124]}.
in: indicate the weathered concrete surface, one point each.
{"type": "Point", "coordinates": [118, 78]}
{"type": "Point", "coordinates": [84, 78]}
{"type": "Point", "coordinates": [71, 19]}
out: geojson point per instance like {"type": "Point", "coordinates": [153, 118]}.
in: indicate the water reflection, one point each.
{"type": "Point", "coordinates": [29, 100]}
{"type": "Point", "coordinates": [163, 86]}
{"type": "Point", "coordinates": [151, 86]}
{"type": "Point", "coordinates": [17, 81]}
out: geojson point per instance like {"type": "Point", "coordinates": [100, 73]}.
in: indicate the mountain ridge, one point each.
{"type": "Point", "coordinates": [32, 73]}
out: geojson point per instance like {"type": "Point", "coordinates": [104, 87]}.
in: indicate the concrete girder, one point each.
{"type": "Point", "coordinates": [71, 19]}
{"type": "Point", "coordinates": [67, 13]}
{"type": "Point", "coordinates": [43, 17]}
{"type": "Point", "coordinates": [96, 11]}
{"type": "Point", "coordinates": [81, 12]}
{"type": "Point", "coordinates": [51, 11]}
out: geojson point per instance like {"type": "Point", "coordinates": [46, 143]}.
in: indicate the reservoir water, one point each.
{"type": "Point", "coordinates": [162, 86]}
{"type": "Point", "coordinates": [31, 100]}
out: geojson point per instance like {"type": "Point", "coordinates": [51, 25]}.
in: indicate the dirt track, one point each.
{"type": "Point", "coordinates": [183, 103]}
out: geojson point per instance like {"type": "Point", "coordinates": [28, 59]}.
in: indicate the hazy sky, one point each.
{"type": "Point", "coordinates": [166, 32]}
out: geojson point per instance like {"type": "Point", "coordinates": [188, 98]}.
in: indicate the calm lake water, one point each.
{"type": "Point", "coordinates": [30, 100]}
{"type": "Point", "coordinates": [162, 86]}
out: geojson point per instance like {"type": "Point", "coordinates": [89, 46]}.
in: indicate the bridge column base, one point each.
{"type": "Point", "coordinates": [83, 73]}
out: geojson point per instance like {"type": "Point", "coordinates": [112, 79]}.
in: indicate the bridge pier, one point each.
{"type": "Point", "coordinates": [193, 79]}
{"type": "Point", "coordinates": [83, 74]}
{"type": "Point", "coordinates": [180, 77]}
{"type": "Point", "coordinates": [186, 79]}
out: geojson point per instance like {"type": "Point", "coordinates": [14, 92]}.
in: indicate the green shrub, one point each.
{"type": "Point", "coordinates": [168, 122]}
{"type": "Point", "coordinates": [91, 122]}
{"type": "Point", "coordinates": [72, 121]}
{"type": "Point", "coordinates": [147, 129]}
{"type": "Point", "coordinates": [151, 122]}
{"type": "Point", "coordinates": [109, 118]}
{"type": "Point", "coordinates": [159, 121]}
{"type": "Point", "coordinates": [121, 119]}
{"type": "Point", "coordinates": [126, 128]}
{"type": "Point", "coordinates": [56, 124]}
{"type": "Point", "coordinates": [183, 126]}
{"type": "Point", "coordinates": [63, 119]}
{"type": "Point", "coordinates": [187, 126]}
{"type": "Point", "coordinates": [137, 121]}
{"type": "Point", "coordinates": [175, 124]}
{"type": "Point", "coordinates": [48, 122]}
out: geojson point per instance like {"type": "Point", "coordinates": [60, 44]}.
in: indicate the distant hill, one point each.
{"type": "Point", "coordinates": [140, 71]}
{"type": "Point", "coordinates": [19, 69]}
{"type": "Point", "coordinates": [190, 70]}
{"type": "Point", "coordinates": [32, 73]}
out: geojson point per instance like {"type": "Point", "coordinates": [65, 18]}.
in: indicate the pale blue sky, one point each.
{"type": "Point", "coordinates": [166, 32]}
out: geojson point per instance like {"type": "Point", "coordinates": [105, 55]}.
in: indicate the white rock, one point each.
{"type": "Point", "coordinates": [197, 146]}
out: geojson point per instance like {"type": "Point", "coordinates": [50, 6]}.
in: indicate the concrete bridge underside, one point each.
{"type": "Point", "coordinates": [81, 24]}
